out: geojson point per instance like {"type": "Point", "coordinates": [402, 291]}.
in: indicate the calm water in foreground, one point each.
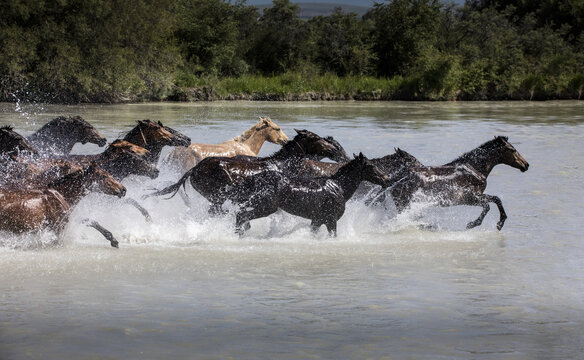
{"type": "Point", "coordinates": [186, 287]}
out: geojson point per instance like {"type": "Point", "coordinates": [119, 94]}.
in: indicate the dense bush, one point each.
{"type": "Point", "coordinates": [133, 50]}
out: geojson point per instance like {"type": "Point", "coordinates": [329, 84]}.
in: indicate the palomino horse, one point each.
{"type": "Point", "coordinates": [58, 136]}
{"type": "Point", "coordinates": [248, 143]}
{"type": "Point", "coordinates": [12, 143]}
{"type": "Point", "coordinates": [25, 210]}
{"type": "Point", "coordinates": [214, 175]}
{"type": "Point", "coordinates": [322, 200]}
{"type": "Point", "coordinates": [460, 182]}
{"type": "Point", "coordinates": [153, 136]}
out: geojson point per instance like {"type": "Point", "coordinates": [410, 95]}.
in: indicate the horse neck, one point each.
{"type": "Point", "coordinates": [348, 178]}
{"type": "Point", "coordinates": [154, 148]}
{"type": "Point", "coordinates": [255, 141]}
{"type": "Point", "coordinates": [72, 187]}
{"type": "Point", "coordinates": [483, 159]}
{"type": "Point", "coordinates": [290, 151]}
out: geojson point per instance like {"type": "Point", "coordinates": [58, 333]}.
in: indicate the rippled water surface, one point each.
{"type": "Point", "coordinates": [185, 286]}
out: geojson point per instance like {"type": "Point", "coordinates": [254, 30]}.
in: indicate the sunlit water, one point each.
{"type": "Point", "coordinates": [185, 286]}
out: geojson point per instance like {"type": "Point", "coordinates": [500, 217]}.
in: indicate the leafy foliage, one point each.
{"type": "Point", "coordinates": [131, 50]}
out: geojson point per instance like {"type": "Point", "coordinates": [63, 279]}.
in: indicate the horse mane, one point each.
{"type": "Point", "coordinates": [7, 128]}
{"type": "Point", "coordinates": [481, 149]}
{"type": "Point", "coordinates": [136, 129]}
{"type": "Point", "coordinates": [249, 132]}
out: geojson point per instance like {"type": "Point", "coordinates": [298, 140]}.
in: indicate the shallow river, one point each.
{"type": "Point", "coordinates": [186, 287]}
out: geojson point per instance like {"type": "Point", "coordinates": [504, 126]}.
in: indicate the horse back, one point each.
{"type": "Point", "coordinates": [31, 210]}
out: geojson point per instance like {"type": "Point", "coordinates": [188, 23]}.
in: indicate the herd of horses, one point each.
{"type": "Point", "coordinates": [41, 181]}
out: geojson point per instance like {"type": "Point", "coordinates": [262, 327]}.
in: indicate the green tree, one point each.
{"type": "Point", "coordinates": [281, 40]}
{"type": "Point", "coordinates": [403, 29]}
{"type": "Point", "coordinates": [341, 44]}
{"type": "Point", "coordinates": [212, 35]}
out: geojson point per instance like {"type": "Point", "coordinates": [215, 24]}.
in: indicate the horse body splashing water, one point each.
{"type": "Point", "coordinates": [58, 136]}
{"type": "Point", "coordinates": [461, 181]}
{"type": "Point", "coordinates": [36, 208]}
{"type": "Point", "coordinates": [248, 143]}
{"type": "Point", "coordinates": [214, 175]}
{"type": "Point", "coordinates": [322, 200]}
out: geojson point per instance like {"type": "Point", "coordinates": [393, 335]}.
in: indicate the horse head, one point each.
{"type": "Point", "coordinates": [341, 154]}
{"type": "Point", "coordinates": [271, 132]}
{"type": "Point", "coordinates": [318, 147]}
{"type": "Point", "coordinates": [368, 170]}
{"type": "Point", "coordinates": [71, 130]}
{"type": "Point", "coordinates": [180, 139]}
{"type": "Point", "coordinates": [123, 158]}
{"type": "Point", "coordinates": [103, 181]}
{"type": "Point", "coordinates": [509, 155]}
{"type": "Point", "coordinates": [12, 143]}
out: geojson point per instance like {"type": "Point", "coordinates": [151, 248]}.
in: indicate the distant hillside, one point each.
{"type": "Point", "coordinates": [309, 10]}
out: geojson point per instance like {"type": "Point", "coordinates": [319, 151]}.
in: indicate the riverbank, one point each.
{"type": "Point", "coordinates": [294, 86]}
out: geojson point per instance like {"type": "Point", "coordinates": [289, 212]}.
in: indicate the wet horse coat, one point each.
{"type": "Point", "coordinates": [322, 200]}
{"type": "Point", "coordinates": [461, 181]}
{"type": "Point", "coordinates": [214, 175]}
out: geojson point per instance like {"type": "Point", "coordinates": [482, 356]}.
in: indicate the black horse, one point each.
{"type": "Point", "coordinates": [213, 176]}
{"type": "Point", "coordinates": [322, 200]}
{"type": "Point", "coordinates": [58, 136]}
{"type": "Point", "coordinates": [461, 181]}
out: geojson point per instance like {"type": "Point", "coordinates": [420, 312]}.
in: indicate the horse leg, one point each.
{"type": "Point", "coordinates": [140, 208]}
{"type": "Point", "coordinates": [479, 201]}
{"type": "Point", "coordinates": [315, 225]}
{"type": "Point", "coordinates": [502, 214]}
{"type": "Point", "coordinates": [105, 232]}
{"type": "Point", "coordinates": [245, 216]}
{"type": "Point", "coordinates": [331, 226]}
{"type": "Point", "coordinates": [216, 210]}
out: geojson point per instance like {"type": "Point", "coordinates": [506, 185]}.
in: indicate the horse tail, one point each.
{"type": "Point", "coordinates": [175, 187]}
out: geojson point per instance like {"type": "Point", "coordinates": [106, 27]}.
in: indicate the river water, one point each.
{"type": "Point", "coordinates": [186, 287]}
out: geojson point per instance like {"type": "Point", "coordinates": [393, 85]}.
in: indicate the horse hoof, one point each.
{"type": "Point", "coordinates": [471, 225]}
{"type": "Point", "coordinates": [500, 226]}
{"type": "Point", "coordinates": [114, 243]}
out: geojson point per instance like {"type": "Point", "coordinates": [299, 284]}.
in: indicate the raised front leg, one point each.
{"type": "Point", "coordinates": [105, 232]}
{"type": "Point", "coordinates": [483, 200]}
{"type": "Point", "coordinates": [502, 214]}
{"type": "Point", "coordinates": [140, 208]}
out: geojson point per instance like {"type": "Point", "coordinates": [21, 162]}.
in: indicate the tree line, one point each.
{"type": "Point", "coordinates": [133, 50]}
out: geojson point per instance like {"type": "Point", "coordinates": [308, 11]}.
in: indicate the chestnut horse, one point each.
{"type": "Point", "coordinates": [248, 143]}
{"type": "Point", "coordinates": [214, 175]}
{"type": "Point", "coordinates": [26, 210]}
{"type": "Point", "coordinates": [153, 136]}
{"type": "Point", "coordinates": [461, 181]}
{"type": "Point", "coordinates": [58, 136]}
{"type": "Point", "coordinates": [322, 200]}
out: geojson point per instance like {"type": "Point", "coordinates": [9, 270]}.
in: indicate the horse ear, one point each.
{"type": "Point", "coordinates": [361, 156]}
{"type": "Point", "coordinates": [160, 123]}
{"type": "Point", "coordinates": [301, 132]}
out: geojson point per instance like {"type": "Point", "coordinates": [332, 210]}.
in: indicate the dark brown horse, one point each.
{"type": "Point", "coordinates": [153, 136]}
{"type": "Point", "coordinates": [322, 200]}
{"type": "Point", "coordinates": [13, 144]}
{"type": "Point", "coordinates": [26, 210]}
{"type": "Point", "coordinates": [214, 175]}
{"type": "Point", "coordinates": [460, 182]}
{"type": "Point", "coordinates": [58, 136]}
{"type": "Point", "coordinates": [121, 159]}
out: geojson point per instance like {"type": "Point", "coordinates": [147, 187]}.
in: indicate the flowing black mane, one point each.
{"type": "Point", "coordinates": [479, 151]}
